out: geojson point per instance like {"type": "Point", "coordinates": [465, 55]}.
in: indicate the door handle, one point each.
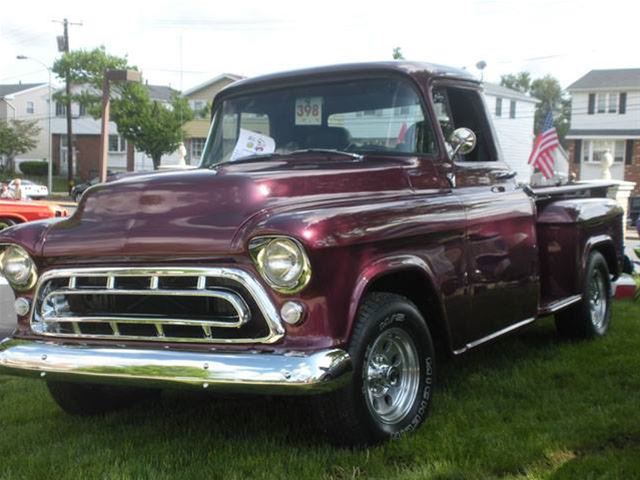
{"type": "Point", "coordinates": [506, 175]}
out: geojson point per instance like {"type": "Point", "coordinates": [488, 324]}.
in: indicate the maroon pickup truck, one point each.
{"type": "Point", "coordinates": [343, 224]}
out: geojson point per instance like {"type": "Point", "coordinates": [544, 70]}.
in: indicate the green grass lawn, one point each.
{"type": "Point", "coordinates": [527, 406]}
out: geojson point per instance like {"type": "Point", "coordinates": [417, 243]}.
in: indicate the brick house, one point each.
{"type": "Point", "coordinates": [605, 115]}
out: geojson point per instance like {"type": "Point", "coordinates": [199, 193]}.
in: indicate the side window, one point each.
{"type": "Point", "coordinates": [464, 108]}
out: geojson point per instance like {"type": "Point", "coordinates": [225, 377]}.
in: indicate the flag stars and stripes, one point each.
{"type": "Point", "coordinates": [546, 142]}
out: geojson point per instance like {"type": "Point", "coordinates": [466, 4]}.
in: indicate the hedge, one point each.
{"type": "Point", "coordinates": [36, 167]}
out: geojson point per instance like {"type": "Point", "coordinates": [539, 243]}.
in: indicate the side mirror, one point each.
{"type": "Point", "coordinates": [463, 141]}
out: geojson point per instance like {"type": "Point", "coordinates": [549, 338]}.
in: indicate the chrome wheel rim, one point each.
{"type": "Point", "coordinates": [392, 376]}
{"type": "Point", "coordinates": [597, 299]}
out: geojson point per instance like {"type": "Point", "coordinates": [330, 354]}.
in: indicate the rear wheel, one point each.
{"type": "Point", "coordinates": [6, 223]}
{"type": "Point", "coordinates": [592, 316]}
{"type": "Point", "coordinates": [390, 392]}
{"type": "Point", "coordinates": [92, 399]}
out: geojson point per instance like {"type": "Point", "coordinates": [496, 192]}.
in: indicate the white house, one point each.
{"type": "Point", "coordinates": [605, 115]}
{"type": "Point", "coordinates": [28, 102]}
{"type": "Point", "coordinates": [513, 117]}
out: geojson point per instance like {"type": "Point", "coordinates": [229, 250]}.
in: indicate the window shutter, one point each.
{"type": "Point", "coordinates": [623, 103]}
{"type": "Point", "coordinates": [628, 154]}
{"type": "Point", "coordinates": [592, 103]}
{"type": "Point", "coordinates": [577, 151]}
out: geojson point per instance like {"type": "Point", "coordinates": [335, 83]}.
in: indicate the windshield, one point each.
{"type": "Point", "coordinates": [359, 116]}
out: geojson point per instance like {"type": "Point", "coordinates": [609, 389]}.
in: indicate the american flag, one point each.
{"type": "Point", "coordinates": [546, 142]}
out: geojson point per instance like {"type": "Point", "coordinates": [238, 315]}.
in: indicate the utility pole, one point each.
{"type": "Point", "coordinates": [65, 47]}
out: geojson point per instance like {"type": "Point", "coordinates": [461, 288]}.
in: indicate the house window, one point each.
{"type": "Point", "coordinates": [61, 109]}
{"type": "Point", "coordinates": [31, 108]}
{"type": "Point", "coordinates": [498, 107]}
{"type": "Point", "coordinates": [82, 110]}
{"type": "Point", "coordinates": [607, 102]}
{"type": "Point", "coordinates": [594, 150]}
{"type": "Point", "coordinates": [613, 103]}
{"type": "Point", "coordinates": [196, 148]}
{"type": "Point", "coordinates": [117, 144]}
{"type": "Point", "coordinates": [602, 102]}
{"type": "Point", "coordinates": [512, 109]}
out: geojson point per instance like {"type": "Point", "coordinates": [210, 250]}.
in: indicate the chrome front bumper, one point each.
{"type": "Point", "coordinates": [260, 373]}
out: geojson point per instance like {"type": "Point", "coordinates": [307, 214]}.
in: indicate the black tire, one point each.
{"type": "Point", "coordinates": [355, 414]}
{"type": "Point", "coordinates": [590, 317]}
{"type": "Point", "coordinates": [93, 399]}
{"type": "Point", "coordinates": [6, 223]}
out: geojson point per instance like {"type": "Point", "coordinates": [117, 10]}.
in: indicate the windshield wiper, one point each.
{"type": "Point", "coordinates": [248, 158]}
{"type": "Point", "coordinates": [266, 156]}
{"type": "Point", "coordinates": [327, 150]}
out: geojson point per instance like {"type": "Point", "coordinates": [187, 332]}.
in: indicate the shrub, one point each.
{"type": "Point", "coordinates": [35, 167]}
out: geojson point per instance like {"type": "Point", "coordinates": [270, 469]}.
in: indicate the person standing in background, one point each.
{"type": "Point", "coordinates": [18, 194]}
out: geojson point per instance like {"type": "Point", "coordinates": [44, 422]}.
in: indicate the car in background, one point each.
{"type": "Point", "coordinates": [13, 212]}
{"type": "Point", "coordinates": [30, 189]}
{"type": "Point", "coordinates": [80, 188]}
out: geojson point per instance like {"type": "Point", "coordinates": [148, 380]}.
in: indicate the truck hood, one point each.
{"type": "Point", "coordinates": [199, 213]}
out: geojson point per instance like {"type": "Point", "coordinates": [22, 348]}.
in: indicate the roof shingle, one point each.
{"type": "Point", "coordinates": [17, 87]}
{"type": "Point", "coordinates": [618, 78]}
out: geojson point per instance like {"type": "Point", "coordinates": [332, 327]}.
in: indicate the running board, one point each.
{"type": "Point", "coordinates": [497, 334]}
{"type": "Point", "coordinates": [553, 307]}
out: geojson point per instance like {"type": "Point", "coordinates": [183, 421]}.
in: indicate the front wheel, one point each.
{"type": "Point", "coordinates": [390, 392]}
{"type": "Point", "coordinates": [592, 316]}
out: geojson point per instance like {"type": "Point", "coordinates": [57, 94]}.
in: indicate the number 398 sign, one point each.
{"type": "Point", "coordinates": [309, 111]}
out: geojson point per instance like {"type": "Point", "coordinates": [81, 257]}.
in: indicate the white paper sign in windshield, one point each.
{"type": "Point", "coordinates": [252, 143]}
{"type": "Point", "coordinates": [309, 111]}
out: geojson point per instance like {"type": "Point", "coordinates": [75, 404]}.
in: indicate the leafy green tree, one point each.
{"type": "Point", "coordinates": [397, 54]}
{"type": "Point", "coordinates": [548, 90]}
{"type": "Point", "coordinates": [520, 81]}
{"type": "Point", "coordinates": [154, 128]}
{"type": "Point", "coordinates": [86, 69]}
{"type": "Point", "coordinates": [17, 137]}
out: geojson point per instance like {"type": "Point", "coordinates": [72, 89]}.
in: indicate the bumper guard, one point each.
{"type": "Point", "coordinates": [261, 373]}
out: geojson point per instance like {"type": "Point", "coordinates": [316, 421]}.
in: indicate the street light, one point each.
{"type": "Point", "coordinates": [110, 76]}
{"type": "Point", "coordinates": [50, 166]}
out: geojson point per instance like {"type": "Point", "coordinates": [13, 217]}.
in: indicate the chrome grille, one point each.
{"type": "Point", "coordinates": [161, 304]}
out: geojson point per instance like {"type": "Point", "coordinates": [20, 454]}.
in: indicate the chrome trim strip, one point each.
{"type": "Point", "coordinates": [560, 304]}
{"type": "Point", "coordinates": [493, 335]}
{"type": "Point", "coordinates": [251, 372]}
{"type": "Point", "coordinates": [239, 305]}
{"type": "Point", "coordinates": [255, 289]}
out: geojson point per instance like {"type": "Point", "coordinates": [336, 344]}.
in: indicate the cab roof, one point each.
{"type": "Point", "coordinates": [411, 69]}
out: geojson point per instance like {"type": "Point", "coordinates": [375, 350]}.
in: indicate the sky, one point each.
{"type": "Point", "coordinates": [185, 43]}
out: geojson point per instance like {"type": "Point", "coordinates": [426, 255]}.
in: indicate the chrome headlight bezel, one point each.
{"type": "Point", "coordinates": [264, 249]}
{"type": "Point", "coordinates": [27, 277]}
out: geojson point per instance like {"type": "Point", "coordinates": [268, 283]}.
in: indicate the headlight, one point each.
{"type": "Point", "coordinates": [18, 268]}
{"type": "Point", "coordinates": [282, 262]}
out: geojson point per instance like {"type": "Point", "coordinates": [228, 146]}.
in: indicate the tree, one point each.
{"type": "Point", "coordinates": [548, 90]}
{"type": "Point", "coordinates": [17, 137]}
{"type": "Point", "coordinates": [520, 81]}
{"type": "Point", "coordinates": [154, 128]}
{"type": "Point", "coordinates": [86, 68]}
{"type": "Point", "coordinates": [397, 53]}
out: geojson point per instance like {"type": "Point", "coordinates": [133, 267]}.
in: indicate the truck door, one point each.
{"type": "Point", "coordinates": [501, 250]}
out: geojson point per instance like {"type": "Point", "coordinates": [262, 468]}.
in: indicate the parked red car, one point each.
{"type": "Point", "coordinates": [13, 212]}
